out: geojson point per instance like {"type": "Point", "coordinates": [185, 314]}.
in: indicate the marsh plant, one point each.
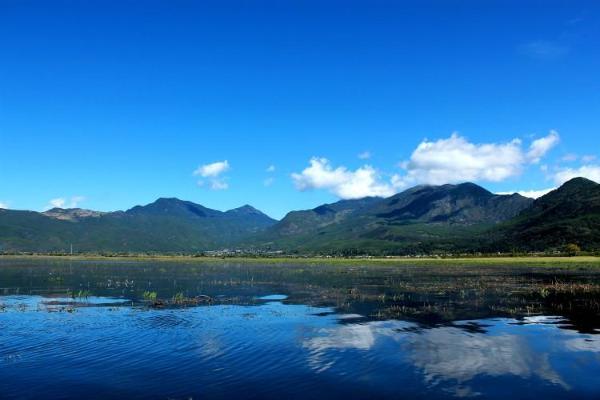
{"type": "Point", "coordinates": [179, 298]}
{"type": "Point", "coordinates": [150, 296]}
{"type": "Point", "coordinates": [79, 295]}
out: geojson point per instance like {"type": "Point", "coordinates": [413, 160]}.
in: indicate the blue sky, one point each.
{"type": "Point", "coordinates": [289, 104]}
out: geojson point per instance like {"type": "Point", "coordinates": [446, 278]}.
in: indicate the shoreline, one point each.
{"type": "Point", "coordinates": [388, 261]}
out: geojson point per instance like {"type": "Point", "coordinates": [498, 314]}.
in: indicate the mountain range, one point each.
{"type": "Point", "coordinates": [166, 225]}
{"type": "Point", "coordinates": [421, 220]}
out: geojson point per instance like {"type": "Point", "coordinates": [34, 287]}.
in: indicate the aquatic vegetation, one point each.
{"type": "Point", "coordinates": [150, 296]}
{"type": "Point", "coordinates": [179, 298]}
{"type": "Point", "coordinates": [418, 291]}
{"type": "Point", "coordinates": [390, 300]}
{"type": "Point", "coordinates": [80, 294]}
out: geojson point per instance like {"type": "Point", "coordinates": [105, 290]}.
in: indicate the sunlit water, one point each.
{"type": "Point", "coordinates": [264, 340]}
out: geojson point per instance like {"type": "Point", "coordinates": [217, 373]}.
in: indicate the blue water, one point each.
{"type": "Point", "coordinates": [90, 330]}
{"type": "Point", "coordinates": [107, 348]}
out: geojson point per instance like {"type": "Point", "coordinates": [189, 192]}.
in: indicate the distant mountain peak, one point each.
{"type": "Point", "coordinates": [72, 214]}
{"type": "Point", "coordinates": [568, 214]}
{"type": "Point", "coordinates": [464, 203]}
{"type": "Point", "coordinates": [244, 208]}
{"type": "Point", "coordinates": [579, 182]}
{"type": "Point", "coordinates": [248, 211]}
{"type": "Point", "coordinates": [182, 209]}
{"type": "Point", "coordinates": [569, 191]}
{"type": "Point", "coordinates": [473, 188]}
{"type": "Point", "coordinates": [172, 206]}
{"type": "Point", "coordinates": [168, 200]}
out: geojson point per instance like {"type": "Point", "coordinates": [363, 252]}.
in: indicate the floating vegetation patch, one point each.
{"type": "Point", "coordinates": [150, 296]}
{"type": "Point", "coordinates": [79, 294]}
{"type": "Point", "coordinates": [179, 299]}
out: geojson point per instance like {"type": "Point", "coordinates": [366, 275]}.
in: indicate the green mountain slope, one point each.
{"type": "Point", "coordinates": [167, 225]}
{"type": "Point", "coordinates": [569, 214]}
{"type": "Point", "coordinates": [421, 219]}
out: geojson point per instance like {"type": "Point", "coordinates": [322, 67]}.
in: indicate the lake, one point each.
{"type": "Point", "coordinates": [220, 330]}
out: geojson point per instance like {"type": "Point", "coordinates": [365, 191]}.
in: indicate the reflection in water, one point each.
{"type": "Point", "coordinates": [289, 332]}
{"type": "Point", "coordinates": [354, 336]}
{"type": "Point", "coordinates": [449, 353]}
{"type": "Point", "coordinates": [591, 344]}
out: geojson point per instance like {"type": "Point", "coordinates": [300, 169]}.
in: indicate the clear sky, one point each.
{"type": "Point", "coordinates": [289, 104]}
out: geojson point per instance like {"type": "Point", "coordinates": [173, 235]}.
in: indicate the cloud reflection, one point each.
{"type": "Point", "coordinates": [444, 355]}
{"type": "Point", "coordinates": [449, 353]}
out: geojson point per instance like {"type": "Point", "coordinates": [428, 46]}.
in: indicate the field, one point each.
{"type": "Point", "coordinates": [390, 261]}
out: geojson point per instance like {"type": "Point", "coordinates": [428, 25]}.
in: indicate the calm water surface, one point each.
{"type": "Point", "coordinates": [85, 330]}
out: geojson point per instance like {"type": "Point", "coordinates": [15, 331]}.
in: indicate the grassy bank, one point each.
{"type": "Point", "coordinates": [475, 261]}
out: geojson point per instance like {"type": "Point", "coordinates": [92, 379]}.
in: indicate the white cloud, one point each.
{"type": "Point", "coordinates": [214, 184]}
{"type": "Point", "coordinates": [532, 194]}
{"type": "Point", "coordinates": [569, 157]}
{"type": "Point", "coordinates": [365, 155]}
{"type": "Point", "coordinates": [449, 160]}
{"type": "Point", "coordinates": [58, 203]}
{"type": "Point", "coordinates": [268, 182]}
{"type": "Point", "coordinates": [3, 205]}
{"type": "Point", "coordinates": [75, 200]}
{"type": "Point", "coordinates": [455, 159]}
{"type": "Point", "coordinates": [217, 184]}
{"type": "Point", "coordinates": [541, 146]}
{"type": "Point", "coordinates": [588, 158]}
{"type": "Point", "coordinates": [590, 171]}
{"type": "Point", "coordinates": [64, 202]}
{"type": "Point", "coordinates": [344, 183]}
{"type": "Point", "coordinates": [213, 172]}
